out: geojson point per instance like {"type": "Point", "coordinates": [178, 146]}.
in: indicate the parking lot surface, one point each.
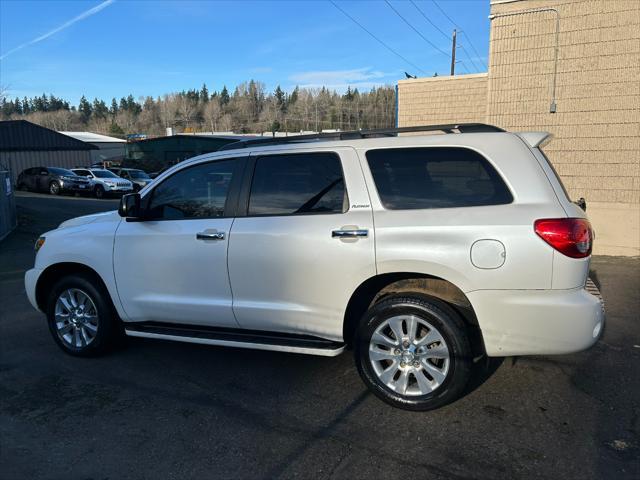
{"type": "Point", "coordinates": [171, 410]}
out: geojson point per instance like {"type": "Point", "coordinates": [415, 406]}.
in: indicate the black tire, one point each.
{"type": "Point", "coordinates": [54, 188]}
{"type": "Point", "coordinates": [99, 191]}
{"type": "Point", "coordinates": [21, 186]}
{"type": "Point", "coordinates": [449, 325]}
{"type": "Point", "coordinates": [110, 330]}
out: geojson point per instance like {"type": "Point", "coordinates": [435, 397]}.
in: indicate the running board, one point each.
{"type": "Point", "coordinates": [230, 337]}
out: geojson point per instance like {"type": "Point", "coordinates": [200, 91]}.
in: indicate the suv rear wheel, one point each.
{"type": "Point", "coordinates": [81, 317]}
{"type": "Point", "coordinates": [413, 352]}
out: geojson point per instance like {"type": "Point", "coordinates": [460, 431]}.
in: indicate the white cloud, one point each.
{"type": "Point", "coordinates": [67, 24]}
{"type": "Point", "coordinates": [340, 79]}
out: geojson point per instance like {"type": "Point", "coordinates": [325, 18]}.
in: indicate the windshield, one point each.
{"type": "Point", "coordinates": [103, 174]}
{"type": "Point", "coordinates": [138, 174]}
{"type": "Point", "coordinates": [61, 171]}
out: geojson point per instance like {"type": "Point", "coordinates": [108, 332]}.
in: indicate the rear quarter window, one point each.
{"type": "Point", "coordinates": [435, 177]}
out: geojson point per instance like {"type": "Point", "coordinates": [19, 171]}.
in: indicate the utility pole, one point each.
{"type": "Point", "coordinates": [453, 54]}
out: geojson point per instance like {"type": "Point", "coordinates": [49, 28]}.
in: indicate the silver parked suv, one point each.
{"type": "Point", "coordinates": [104, 182]}
{"type": "Point", "coordinates": [421, 252]}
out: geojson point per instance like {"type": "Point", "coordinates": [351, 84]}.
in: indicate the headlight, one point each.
{"type": "Point", "coordinates": [67, 178]}
{"type": "Point", "coordinates": [39, 243]}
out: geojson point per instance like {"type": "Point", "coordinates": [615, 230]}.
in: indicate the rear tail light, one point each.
{"type": "Point", "coordinates": [572, 237]}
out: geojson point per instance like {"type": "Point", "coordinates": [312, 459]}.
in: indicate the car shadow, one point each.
{"type": "Point", "coordinates": [481, 372]}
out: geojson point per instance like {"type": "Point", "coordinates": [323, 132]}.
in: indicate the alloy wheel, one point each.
{"type": "Point", "coordinates": [76, 318]}
{"type": "Point", "coordinates": [409, 355]}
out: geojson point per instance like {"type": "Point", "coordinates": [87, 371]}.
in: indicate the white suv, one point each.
{"type": "Point", "coordinates": [422, 253]}
{"type": "Point", "coordinates": [104, 182]}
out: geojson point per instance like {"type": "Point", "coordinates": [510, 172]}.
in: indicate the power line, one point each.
{"type": "Point", "coordinates": [416, 30]}
{"type": "Point", "coordinates": [443, 33]}
{"type": "Point", "coordinates": [446, 35]}
{"type": "Point", "coordinates": [461, 30]}
{"type": "Point", "coordinates": [376, 38]}
{"type": "Point", "coordinates": [470, 59]}
{"type": "Point", "coordinates": [474, 50]}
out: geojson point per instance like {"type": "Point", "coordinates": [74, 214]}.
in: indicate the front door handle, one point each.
{"type": "Point", "coordinates": [210, 235]}
{"type": "Point", "coordinates": [350, 233]}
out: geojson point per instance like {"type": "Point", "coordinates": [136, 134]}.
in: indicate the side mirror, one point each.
{"type": "Point", "coordinates": [130, 206]}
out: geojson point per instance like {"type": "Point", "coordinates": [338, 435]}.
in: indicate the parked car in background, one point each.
{"type": "Point", "coordinates": [104, 182]}
{"type": "Point", "coordinates": [53, 180]}
{"type": "Point", "coordinates": [138, 177]}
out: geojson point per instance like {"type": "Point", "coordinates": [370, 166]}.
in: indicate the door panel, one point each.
{"type": "Point", "coordinates": [42, 181]}
{"type": "Point", "coordinates": [290, 272]}
{"type": "Point", "coordinates": [173, 267]}
{"type": "Point", "coordinates": [165, 273]}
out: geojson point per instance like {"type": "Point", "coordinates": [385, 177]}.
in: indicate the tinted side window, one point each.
{"type": "Point", "coordinates": [411, 178]}
{"type": "Point", "coordinates": [297, 184]}
{"type": "Point", "coordinates": [195, 192]}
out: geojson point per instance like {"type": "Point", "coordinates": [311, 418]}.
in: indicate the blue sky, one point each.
{"type": "Point", "coordinates": [110, 48]}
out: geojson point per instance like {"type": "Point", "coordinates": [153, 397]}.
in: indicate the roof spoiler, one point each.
{"type": "Point", "coordinates": [535, 139]}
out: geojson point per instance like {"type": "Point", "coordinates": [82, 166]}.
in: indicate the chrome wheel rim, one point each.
{"type": "Point", "coordinates": [409, 355]}
{"type": "Point", "coordinates": [76, 318]}
{"type": "Point", "coordinates": [54, 188]}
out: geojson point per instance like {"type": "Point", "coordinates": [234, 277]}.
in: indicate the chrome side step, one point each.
{"type": "Point", "coordinates": [227, 337]}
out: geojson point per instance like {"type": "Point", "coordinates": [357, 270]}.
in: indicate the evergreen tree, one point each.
{"type": "Point", "coordinates": [26, 107]}
{"type": "Point", "coordinates": [224, 96]}
{"type": "Point", "coordinates": [100, 109]}
{"type": "Point", "coordinates": [204, 93]}
{"type": "Point", "coordinates": [293, 98]}
{"type": "Point", "coordinates": [114, 107]}
{"type": "Point", "coordinates": [133, 106]}
{"type": "Point", "coordinates": [115, 129]}
{"type": "Point", "coordinates": [84, 107]}
{"type": "Point", "coordinates": [280, 98]}
{"type": "Point", "coordinates": [45, 103]}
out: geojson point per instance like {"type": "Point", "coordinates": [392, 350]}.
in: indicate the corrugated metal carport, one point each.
{"type": "Point", "coordinates": [24, 145]}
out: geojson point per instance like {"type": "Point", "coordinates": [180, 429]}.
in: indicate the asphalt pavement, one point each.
{"type": "Point", "coordinates": [158, 409]}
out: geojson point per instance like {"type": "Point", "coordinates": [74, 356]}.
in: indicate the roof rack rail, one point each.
{"type": "Point", "coordinates": [360, 134]}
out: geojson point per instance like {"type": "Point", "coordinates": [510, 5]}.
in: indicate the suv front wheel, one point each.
{"type": "Point", "coordinates": [81, 317]}
{"type": "Point", "coordinates": [54, 188]}
{"type": "Point", "coordinates": [413, 352]}
{"type": "Point", "coordinates": [99, 191]}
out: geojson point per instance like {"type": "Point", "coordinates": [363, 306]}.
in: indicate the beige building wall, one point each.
{"type": "Point", "coordinates": [596, 124]}
{"type": "Point", "coordinates": [438, 100]}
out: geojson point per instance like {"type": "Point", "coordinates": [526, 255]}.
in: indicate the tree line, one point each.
{"type": "Point", "coordinates": [248, 109]}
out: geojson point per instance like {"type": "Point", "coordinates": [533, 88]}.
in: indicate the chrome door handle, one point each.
{"type": "Point", "coordinates": [349, 233]}
{"type": "Point", "coordinates": [210, 235]}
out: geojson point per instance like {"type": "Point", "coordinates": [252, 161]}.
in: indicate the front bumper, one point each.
{"type": "Point", "coordinates": [30, 282]}
{"type": "Point", "coordinates": [538, 322]}
{"type": "Point", "coordinates": [75, 187]}
{"type": "Point", "coordinates": [119, 189]}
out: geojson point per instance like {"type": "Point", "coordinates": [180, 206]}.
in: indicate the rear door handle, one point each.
{"type": "Point", "coordinates": [210, 235]}
{"type": "Point", "coordinates": [349, 233]}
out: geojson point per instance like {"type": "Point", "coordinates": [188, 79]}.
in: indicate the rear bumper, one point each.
{"type": "Point", "coordinates": [538, 322]}
{"type": "Point", "coordinates": [30, 282]}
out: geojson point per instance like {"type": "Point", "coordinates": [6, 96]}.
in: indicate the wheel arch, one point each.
{"type": "Point", "coordinates": [383, 285]}
{"type": "Point", "coordinates": [58, 270]}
